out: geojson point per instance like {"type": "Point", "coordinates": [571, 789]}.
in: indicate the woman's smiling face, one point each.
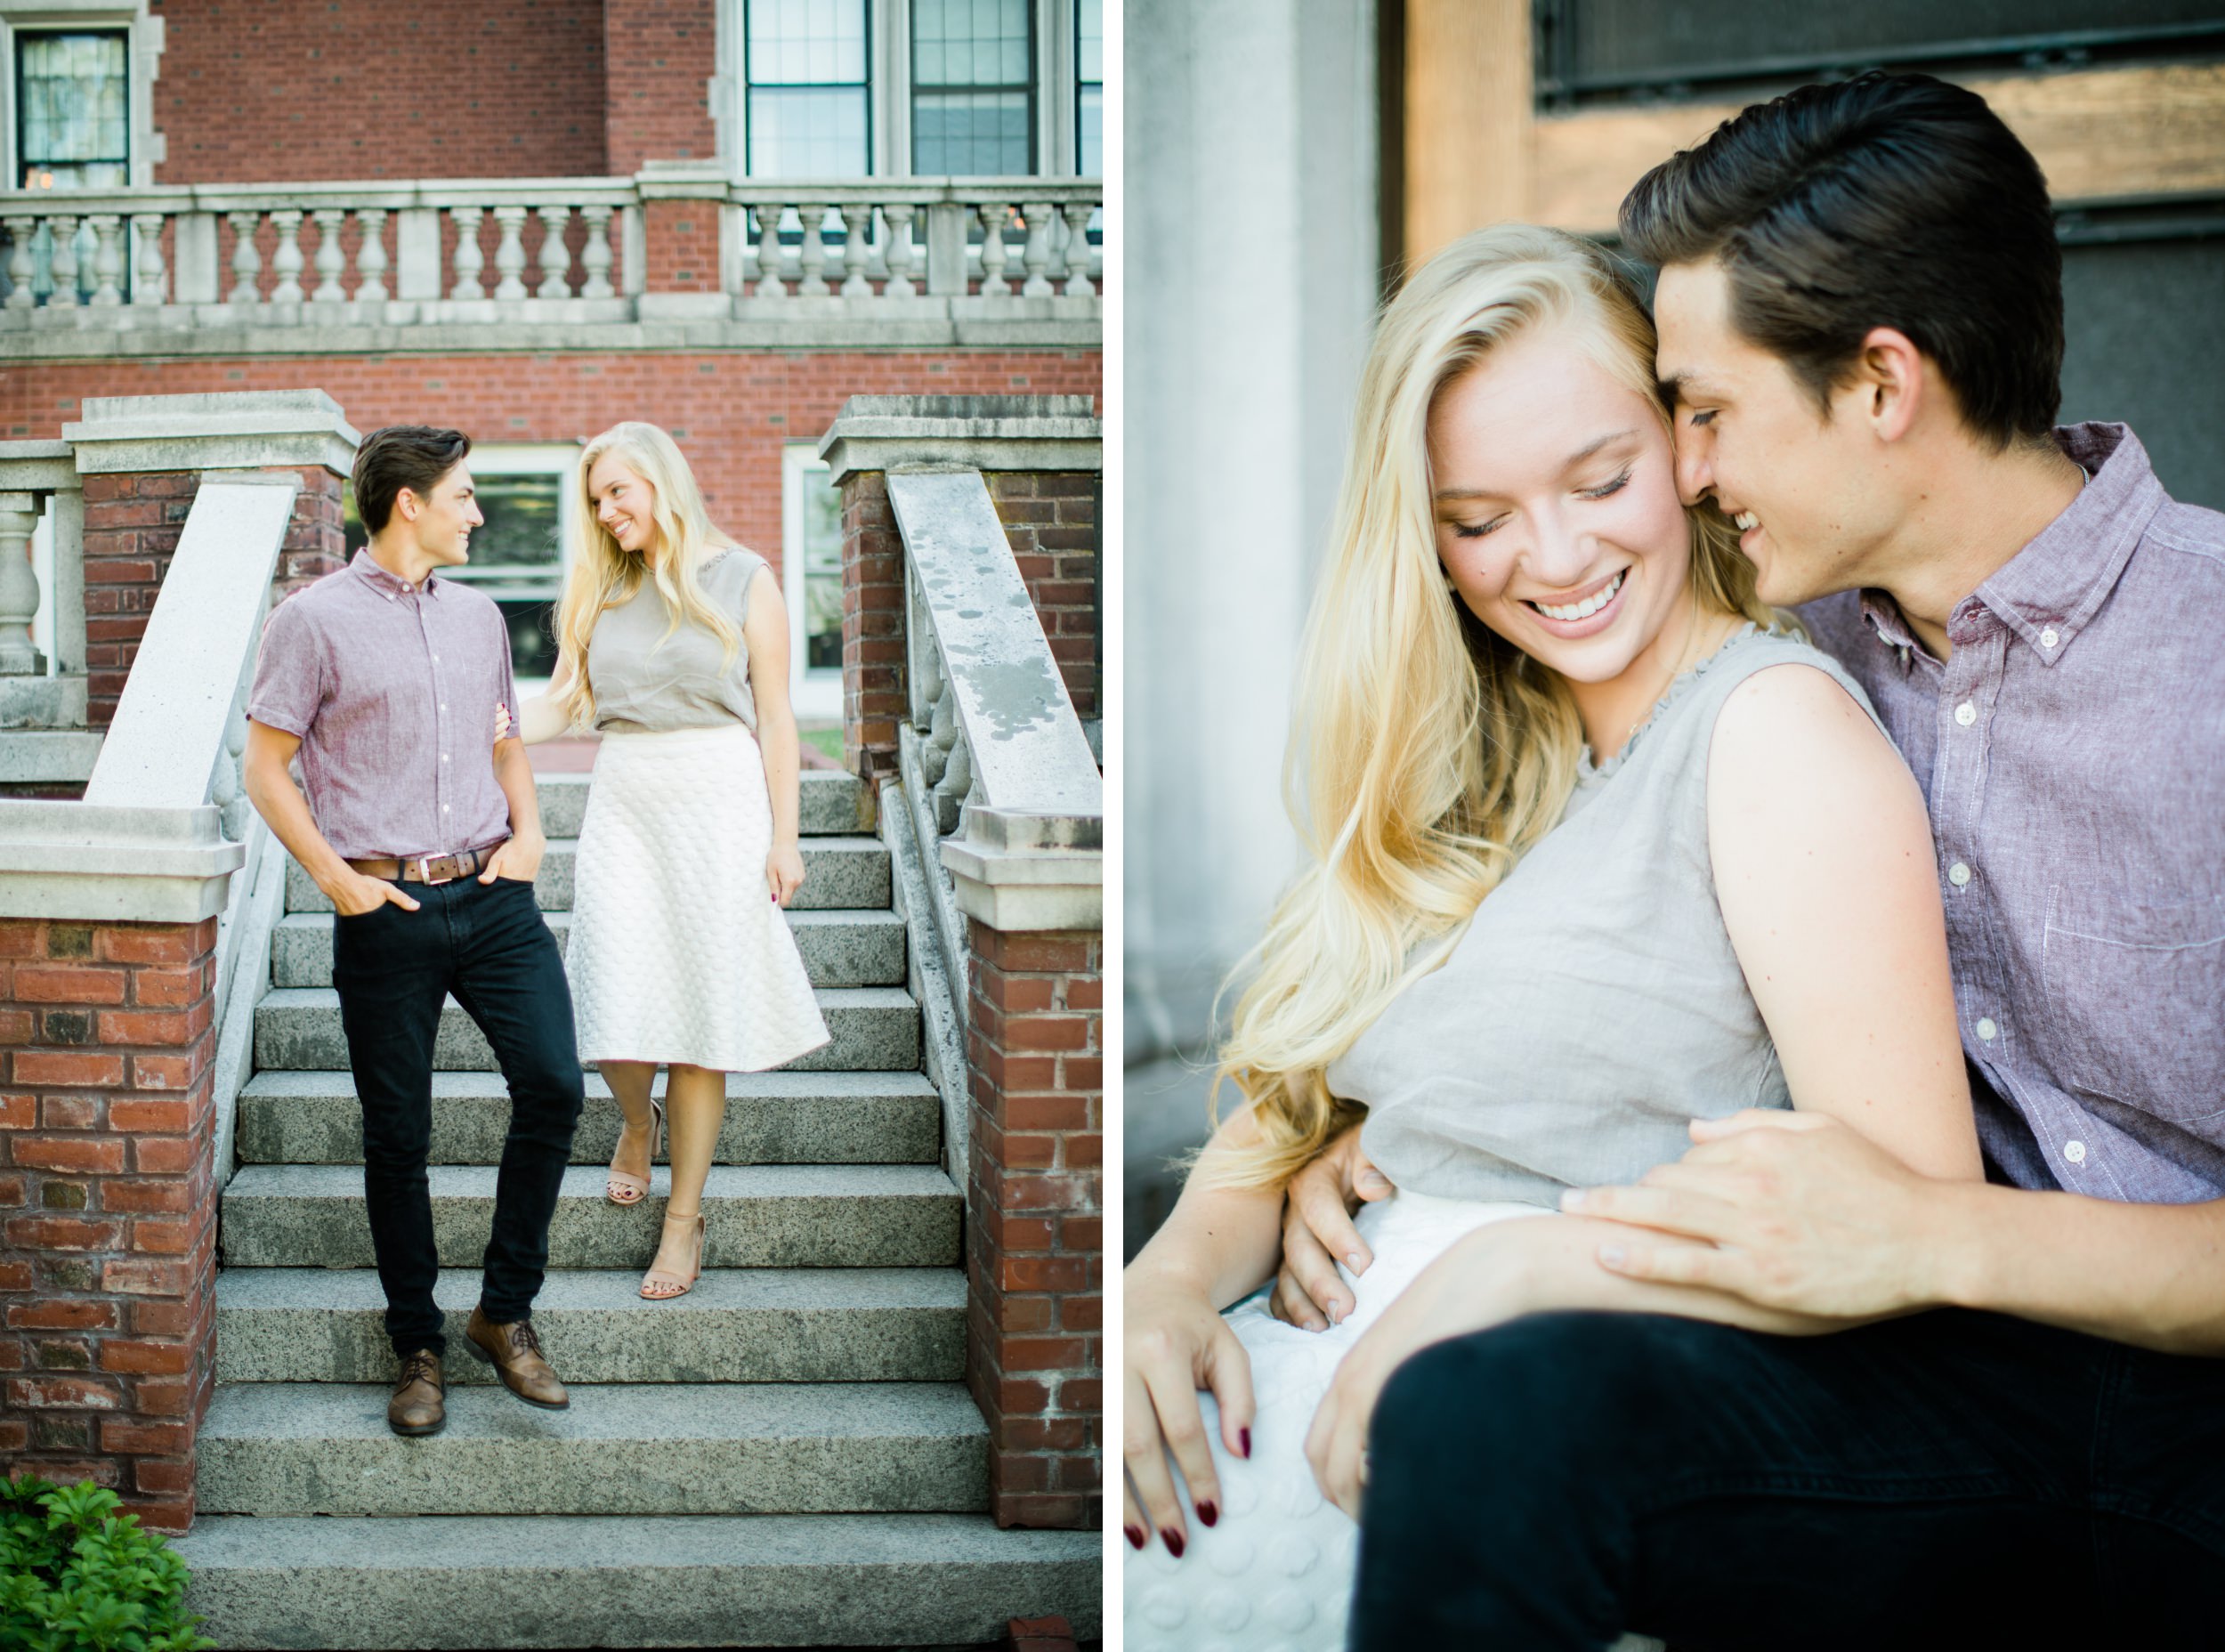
{"type": "Point", "coordinates": [624, 503]}
{"type": "Point", "coordinates": [1557, 512]}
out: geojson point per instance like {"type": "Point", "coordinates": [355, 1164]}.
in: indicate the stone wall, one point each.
{"type": "Point", "coordinates": [107, 1205]}
{"type": "Point", "coordinates": [1035, 1234]}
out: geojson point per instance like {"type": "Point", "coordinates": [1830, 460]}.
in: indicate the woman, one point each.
{"type": "Point", "coordinates": [674, 646]}
{"type": "Point", "coordinates": [1595, 846]}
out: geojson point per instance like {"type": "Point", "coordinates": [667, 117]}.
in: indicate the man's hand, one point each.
{"type": "Point", "coordinates": [1317, 1232]}
{"type": "Point", "coordinates": [353, 894]}
{"type": "Point", "coordinates": [518, 856]}
{"type": "Point", "coordinates": [1797, 1211]}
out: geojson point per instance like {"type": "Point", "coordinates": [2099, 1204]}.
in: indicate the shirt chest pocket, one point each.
{"type": "Point", "coordinates": [2137, 997]}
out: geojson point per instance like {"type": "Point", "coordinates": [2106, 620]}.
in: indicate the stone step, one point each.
{"type": "Point", "coordinates": [874, 1029]}
{"type": "Point", "coordinates": [309, 1448]}
{"type": "Point", "coordinates": [832, 804]}
{"type": "Point", "coordinates": [801, 1324]}
{"type": "Point", "coordinates": [838, 872]}
{"type": "Point", "coordinates": [840, 948]}
{"type": "Point", "coordinates": [757, 1216]}
{"type": "Point", "coordinates": [556, 1581]}
{"type": "Point", "coordinates": [772, 1118]}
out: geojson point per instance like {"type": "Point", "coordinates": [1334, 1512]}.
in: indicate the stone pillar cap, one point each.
{"type": "Point", "coordinates": [966, 433]}
{"type": "Point", "coordinates": [221, 430]}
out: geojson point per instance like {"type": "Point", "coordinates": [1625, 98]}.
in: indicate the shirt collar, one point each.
{"type": "Point", "coordinates": [2047, 592]}
{"type": "Point", "coordinates": [367, 568]}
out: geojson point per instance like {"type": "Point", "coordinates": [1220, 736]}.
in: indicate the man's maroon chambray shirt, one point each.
{"type": "Point", "coordinates": [2073, 753]}
{"type": "Point", "coordinates": [393, 690]}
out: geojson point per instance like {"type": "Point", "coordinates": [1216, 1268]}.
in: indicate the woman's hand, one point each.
{"type": "Point", "coordinates": [502, 721]}
{"type": "Point", "coordinates": [1176, 1343]}
{"type": "Point", "coordinates": [784, 871]}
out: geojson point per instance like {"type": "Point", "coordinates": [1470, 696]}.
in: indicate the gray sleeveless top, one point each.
{"type": "Point", "coordinates": [646, 683]}
{"type": "Point", "coordinates": [1595, 1005]}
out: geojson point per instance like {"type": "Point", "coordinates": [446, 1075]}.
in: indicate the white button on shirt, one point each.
{"type": "Point", "coordinates": [1986, 1030]}
{"type": "Point", "coordinates": [2048, 639]}
{"type": "Point", "coordinates": [1958, 874]}
{"type": "Point", "coordinates": [2075, 1151]}
{"type": "Point", "coordinates": [1966, 714]}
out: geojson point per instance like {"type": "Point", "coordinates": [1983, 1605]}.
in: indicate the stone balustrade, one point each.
{"type": "Point", "coordinates": [330, 262]}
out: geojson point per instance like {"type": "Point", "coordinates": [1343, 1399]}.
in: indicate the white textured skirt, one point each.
{"type": "Point", "coordinates": [677, 951]}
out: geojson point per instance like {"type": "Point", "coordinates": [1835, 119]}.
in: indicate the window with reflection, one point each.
{"type": "Point", "coordinates": [73, 131]}
{"type": "Point", "coordinates": [809, 110]}
{"type": "Point", "coordinates": [1090, 88]}
{"type": "Point", "coordinates": [973, 88]}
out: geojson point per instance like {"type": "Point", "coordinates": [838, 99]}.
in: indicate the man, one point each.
{"type": "Point", "coordinates": [1861, 328]}
{"type": "Point", "coordinates": [385, 678]}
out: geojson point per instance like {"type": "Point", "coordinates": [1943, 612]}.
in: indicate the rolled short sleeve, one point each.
{"type": "Point", "coordinates": [289, 672]}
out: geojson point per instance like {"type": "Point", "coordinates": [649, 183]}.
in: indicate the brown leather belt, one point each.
{"type": "Point", "coordinates": [431, 867]}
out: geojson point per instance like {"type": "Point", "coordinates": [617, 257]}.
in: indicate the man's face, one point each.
{"type": "Point", "coordinates": [1808, 490]}
{"type": "Point", "coordinates": [442, 519]}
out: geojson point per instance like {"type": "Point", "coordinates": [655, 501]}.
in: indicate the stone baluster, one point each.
{"type": "Point", "coordinates": [247, 263]}
{"type": "Point", "coordinates": [957, 779]}
{"type": "Point", "coordinates": [1036, 255]}
{"type": "Point", "coordinates": [770, 257]}
{"type": "Point", "coordinates": [594, 257]}
{"type": "Point", "coordinates": [63, 228]}
{"type": "Point", "coordinates": [329, 261]}
{"type": "Point", "coordinates": [21, 268]}
{"type": "Point", "coordinates": [814, 258]}
{"type": "Point", "coordinates": [1078, 282]}
{"type": "Point", "coordinates": [992, 251]}
{"type": "Point", "coordinates": [896, 234]}
{"type": "Point", "coordinates": [857, 221]}
{"type": "Point", "coordinates": [285, 263]}
{"type": "Point", "coordinates": [510, 253]}
{"type": "Point", "coordinates": [469, 260]}
{"type": "Point", "coordinates": [153, 285]}
{"type": "Point", "coordinates": [555, 256]}
{"type": "Point", "coordinates": [108, 260]}
{"type": "Point", "coordinates": [370, 256]}
{"type": "Point", "coordinates": [19, 585]}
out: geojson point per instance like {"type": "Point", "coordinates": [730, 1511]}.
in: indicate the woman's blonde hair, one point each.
{"type": "Point", "coordinates": [603, 575]}
{"type": "Point", "coordinates": [1426, 754]}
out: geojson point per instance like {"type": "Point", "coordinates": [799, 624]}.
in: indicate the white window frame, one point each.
{"type": "Point", "coordinates": [816, 694]}
{"type": "Point", "coordinates": [888, 88]}
{"type": "Point", "coordinates": [143, 52]}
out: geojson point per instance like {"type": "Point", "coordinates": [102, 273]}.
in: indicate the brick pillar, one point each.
{"type": "Point", "coordinates": [108, 1281]}
{"type": "Point", "coordinates": [872, 628]}
{"type": "Point", "coordinates": [1051, 519]}
{"type": "Point", "coordinates": [679, 245]}
{"type": "Point", "coordinates": [131, 524]}
{"type": "Point", "coordinates": [1035, 1246]}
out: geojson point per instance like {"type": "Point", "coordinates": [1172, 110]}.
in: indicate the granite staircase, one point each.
{"type": "Point", "coordinates": [786, 1456]}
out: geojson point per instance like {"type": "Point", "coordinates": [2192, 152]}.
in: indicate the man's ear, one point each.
{"type": "Point", "coordinates": [1889, 374]}
{"type": "Point", "coordinates": [406, 503]}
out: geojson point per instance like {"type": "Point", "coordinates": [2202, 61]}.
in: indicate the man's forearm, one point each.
{"type": "Point", "coordinates": [283, 808]}
{"type": "Point", "coordinates": [2149, 1274]}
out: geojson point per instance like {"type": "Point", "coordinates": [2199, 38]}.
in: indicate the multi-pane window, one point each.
{"type": "Point", "coordinates": [809, 106]}
{"type": "Point", "coordinates": [73, 128]}
{"type": "Point", "coordinates": [811, 577]}
{"type": "Point", "coordinates": [973, 88]}
{"type": "Point", "coordinates": [1090, 88]}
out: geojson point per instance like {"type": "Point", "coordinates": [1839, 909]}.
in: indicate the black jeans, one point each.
{"type": "Point", "coordinates": [1951, 1479]}
{"type": "Point", "coordinates": [488, 945]}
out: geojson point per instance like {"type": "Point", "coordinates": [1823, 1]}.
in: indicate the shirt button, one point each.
{"type": "Point", "coordinates": [2075, 1151]}
{"type": "Point", "coordinates": [444, 810]}
{"type": "Point", "coordinates": [1966, 714]}
{"type": "Point", "coordinates": [444, 705]}
{"type": "Point", "coordinates": [1958, 874]}
{"type": "Point", "coordinates": [1986, 1030]}
{"type": "Point", "coordinates": [444, 757]}
{"type": "Point", "coordinates": [2048, 639]}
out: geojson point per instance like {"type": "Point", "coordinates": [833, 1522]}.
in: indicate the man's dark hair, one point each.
{"type": "Point", "coordinates": [1887, 200]}
{"type": "Point", "coordinates": [414, 456]}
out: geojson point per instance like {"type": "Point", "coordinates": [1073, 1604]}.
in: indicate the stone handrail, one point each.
{"type": "Point", "coordinates": [564, 250]}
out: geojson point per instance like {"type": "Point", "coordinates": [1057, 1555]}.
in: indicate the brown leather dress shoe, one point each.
{"type": "Point", "coordinates": [418, 1405]}
{"type": "Point", "coordinates": [515, 1354]}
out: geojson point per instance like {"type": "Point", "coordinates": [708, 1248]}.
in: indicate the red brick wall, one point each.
{"type": "Point", "coordinates": [131, 524]}
{"type": "Point", "coordinates": [258, 91]}
{"type": "Point", "coordinates": [873, 700]}
{"type": "Point", "coordinates": [1035, 1244]}
{"type": "Point", "coordinates": [1051, 519]}
{"type": "Point", "coordinates": [107, 1207]}
{"type": "Point", "coordinates": [731, 412]}
{"type": "Point", "coordinates": [679, 245]}
{"type": "Point", "coordinates": [661, 54]}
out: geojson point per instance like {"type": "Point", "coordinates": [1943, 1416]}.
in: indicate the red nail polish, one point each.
{"type": "Point", "coordinates": [1209, 1512]}
{"type": "Point", "coordinates": [1136, 1535]}
{"type": "Point", "coordinates": [1243, 1442]}
{"type": "Point", "coordinates": [1173, 1540]}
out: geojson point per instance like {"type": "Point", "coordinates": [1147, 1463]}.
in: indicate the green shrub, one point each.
{"type": "Point", "coordinates": [75, 1576]}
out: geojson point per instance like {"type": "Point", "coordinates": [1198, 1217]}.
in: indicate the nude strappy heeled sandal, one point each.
{"type": "Point", "coordinates": [664, 1276]}
{"type": "Point", "coordinates": [624, 1187]}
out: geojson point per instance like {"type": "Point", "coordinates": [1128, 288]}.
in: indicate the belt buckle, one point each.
{"type": "Point", "coordinates": [424, 863]}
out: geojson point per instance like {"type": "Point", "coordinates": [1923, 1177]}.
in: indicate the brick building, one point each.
{"type": "Point", "coordinates": [838, 248]}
